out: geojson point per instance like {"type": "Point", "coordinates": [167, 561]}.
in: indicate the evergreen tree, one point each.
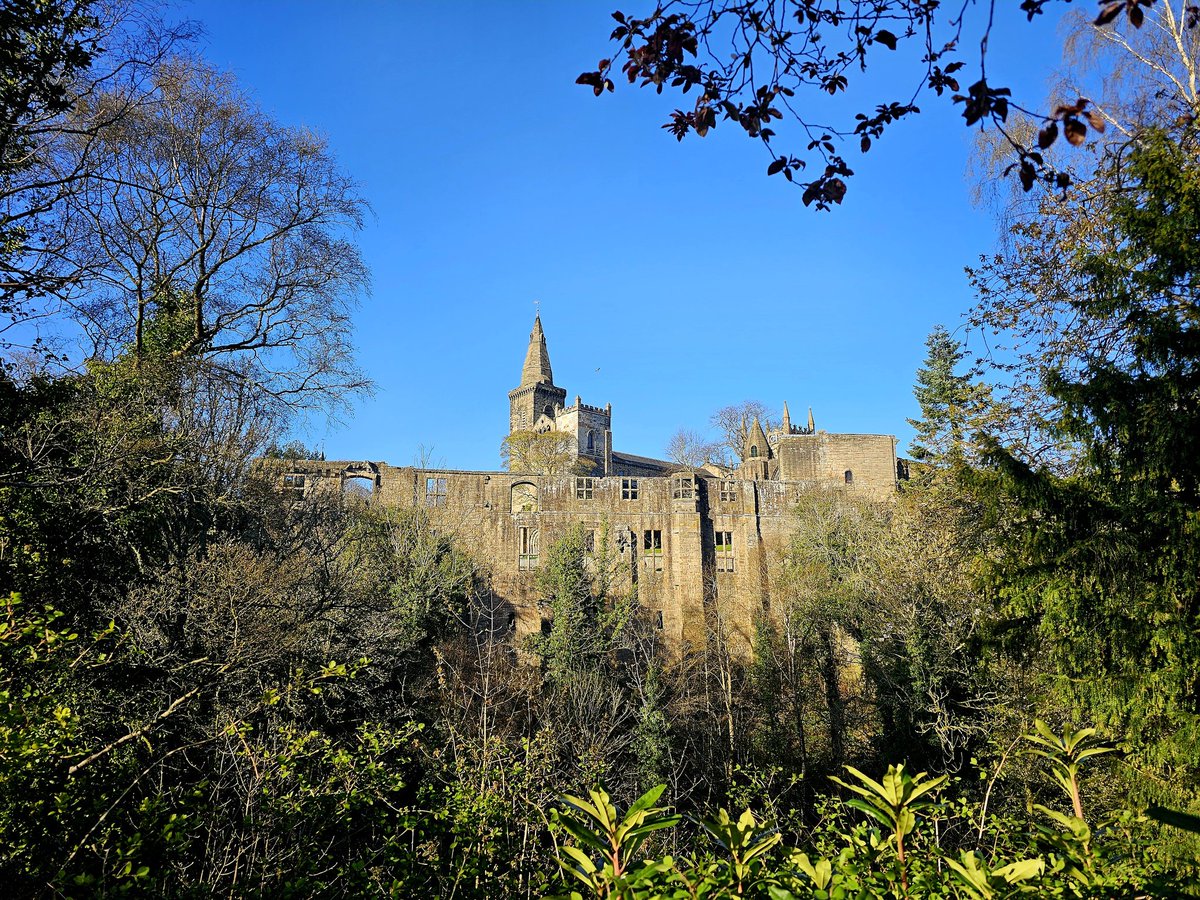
{"type": "Point", "coordinates": [951, 403]}
{"type": "Point", "coordinates": [1101, 565]}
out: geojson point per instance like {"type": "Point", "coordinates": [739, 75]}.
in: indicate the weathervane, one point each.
{"type": "Point", "coordinates": [537, 307]}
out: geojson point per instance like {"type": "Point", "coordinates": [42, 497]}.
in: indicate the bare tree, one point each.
{"type": "Point", "coordinates": [208, 230]}
{"type": "Point", "coordinates": [689, 450]}
{"type": "Point", "coordinates": [734, 424]}
{"type": "Point", "coordinates": [59, 58]}
{"type": "Point", "coordinates": [545, 453]}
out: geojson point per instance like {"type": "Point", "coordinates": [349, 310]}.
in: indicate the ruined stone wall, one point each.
{"type": "Point", "coordinates": [684, 580]}
{"type": "Point", "coordinates": [869, 458]}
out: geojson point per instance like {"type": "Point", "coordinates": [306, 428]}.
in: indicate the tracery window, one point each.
{"type": "Point", "coordinates": [527, 548]}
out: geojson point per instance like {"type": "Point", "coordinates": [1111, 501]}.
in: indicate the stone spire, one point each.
{"type": "Point", "coordinates": [756, 442]}
{"type": "Point", "coordinates": [812, 426]}
{"type": "Point", "coordinates": [786, 425]}
{"type": "Point", "coordinates": [537, 358]}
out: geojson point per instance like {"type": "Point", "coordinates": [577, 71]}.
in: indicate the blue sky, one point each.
{"type": "Point", "coordinates": [674, 278]}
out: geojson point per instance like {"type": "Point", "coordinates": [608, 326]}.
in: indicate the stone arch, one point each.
{"type": "Point", "coordinates": [524, 497]}
{"type": "Point", "coordinates": [360, 479]}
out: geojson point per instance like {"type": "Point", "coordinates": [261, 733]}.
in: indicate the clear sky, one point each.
{"type": "Point", "coordinates": [674, 278]}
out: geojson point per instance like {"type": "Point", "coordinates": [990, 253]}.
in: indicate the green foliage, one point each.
{"type": "Point", "coordinates": [585, 619]}
{"type": "Point", "coordinates": [1098, 564]}
{"type": "Point", "coordinates": [952, 404]}
{"type": "Point", "coordinates": [853, 860]}
{"type": "Point", "coordinates": [608, 841]}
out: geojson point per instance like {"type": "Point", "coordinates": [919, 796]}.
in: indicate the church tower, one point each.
{"type": "Point", "coordinates": [536, 402]}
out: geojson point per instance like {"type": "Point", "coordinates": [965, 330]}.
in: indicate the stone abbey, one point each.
{"type": "Point", "coordinates": [691, 541]}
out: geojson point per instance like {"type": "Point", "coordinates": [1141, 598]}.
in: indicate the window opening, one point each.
{"type": "Point", "coordinates": [524, 497]}
{"type": "Point", "coordinates": [591, 442]}
{"type": "Point", "coordinates": [724, 544]}
{"type": "Point", "coordinates": [652, 548]}
{"type": "Point", "coordinates": [728, 490]}
{"type": "Point", "coordinates": [683, 487]}
{"type": "Point", "coordinates": [849, 477]}
{"type": "Point", "coordinates": [527, 548]}
{"type": "Point", "coordinates": [435, 491]}
{"type": "Point", "coordinates": [629, 488]}
{"type": "Point", "coordinates": [659, 622]}
{"type": "Point", "coordinates": [295, 485]}
{"type": "Point", "coordinates": [584, 488]}
{"type": "Point", "coordinates": [589, 540]}
{"type": "Point", "coordinates": [753, 450]}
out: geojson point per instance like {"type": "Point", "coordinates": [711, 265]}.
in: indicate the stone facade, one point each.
{"type": "Point", "coordinates": [691, 542]}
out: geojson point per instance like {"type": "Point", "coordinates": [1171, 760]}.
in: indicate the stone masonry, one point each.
{"type": "Point", "coordinates": [695, 543]}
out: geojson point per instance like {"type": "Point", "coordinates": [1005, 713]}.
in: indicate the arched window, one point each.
{"type": "Point", "coordinates": [849, 477]}
{"type": "Point", "coordinates": [591, 444]}
{"type": "Point", "coordinates": [524, 497]}
{"type": "Point", "coordinates": [753, 451]}
{"type": "Point", "coordinates": [548, 411]}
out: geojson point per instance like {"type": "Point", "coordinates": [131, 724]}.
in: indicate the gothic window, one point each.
{"type": "Point", "coordinates": [548, 411]}
{"type": "Point", "coordinates": [524, 497]}
{"type": "Point", "coordinates": [849, 477]}
{"type": "Point", "coordinates": [754, 451]}
{"type": "Point", "coordinates": [652, 549]}
{"type": "Point", "coordinates": [527, 548]}
{"type": "Point", "coordinates": [584, 488]}
{"type": "Point", "coordinates": [683, 487]}
{"type": "Point", "coordinates": [659, 620]}
{"type": "Point", "coordinates": [724, 545]}
{"type": "Point", "coordinates": [629, 489]}
{"type": "Point", "coordinates": [728, 490]}
{"type": "Point", "coordinates": [435, 491]}
{"type": "Point", "coordinates": [591, 441]}
{"type": "Point", "coordinates": [589, 540]}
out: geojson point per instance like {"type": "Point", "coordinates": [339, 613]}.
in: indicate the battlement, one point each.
{"type": "Point", "coordinates": [600, 410]}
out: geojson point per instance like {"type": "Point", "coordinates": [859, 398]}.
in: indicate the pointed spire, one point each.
{"type": "Point", "coordinates": [537, 358]}
{"type": "Point", "coordinates": [786, 425]}
{"type": "Point", "coordinates": [756, 442]}
{"type": "Point", "coordinates": [812, 426]}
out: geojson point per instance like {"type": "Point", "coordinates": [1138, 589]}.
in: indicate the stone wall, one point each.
{"type": "Point", "coordinates": [683, 579]}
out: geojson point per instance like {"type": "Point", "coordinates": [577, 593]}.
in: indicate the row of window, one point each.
{"type": "Point", "coordinates": [529, 545]}
{"type": "Point", "coordinates": [524, 495]}
{"type": "Point", "coordinates": [683, 487]}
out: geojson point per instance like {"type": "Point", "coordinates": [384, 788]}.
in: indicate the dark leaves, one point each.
{"type": "Point", "coordinates": [829, 188]}
{"type": "Point", "coordinates": [596, 80]}
{"type": "Point", "coordinates": [1110, 9]}
{"type": "Point", "coordinates": [983, 101]}
{"type": "Point", "coordinates": [886, 38]}
{"type": "Point", "coordinates": [940, 79]}
{"type": "Point", "coordinates": [1073, 128]}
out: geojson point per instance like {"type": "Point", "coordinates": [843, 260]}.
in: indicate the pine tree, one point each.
{"type": "Point", "coordinates": [951, 403]}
